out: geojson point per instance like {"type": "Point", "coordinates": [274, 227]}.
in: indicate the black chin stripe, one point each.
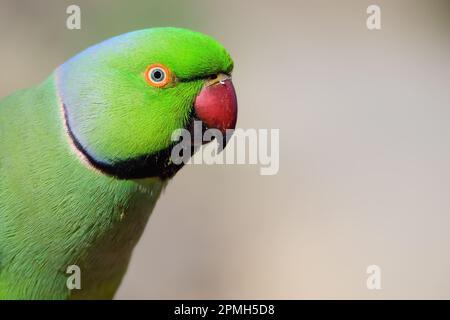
{"type": "Point", "coordinates": [153, 165]}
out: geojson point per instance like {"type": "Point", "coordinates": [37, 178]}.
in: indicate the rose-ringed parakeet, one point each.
{"type": "Point", "coordinates": [85, 155]}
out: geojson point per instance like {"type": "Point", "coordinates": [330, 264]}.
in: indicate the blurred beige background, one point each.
{"type": "Point", "coordinates": [364, 158]}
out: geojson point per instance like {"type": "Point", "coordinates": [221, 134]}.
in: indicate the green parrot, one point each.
{"type": "Point", "coordinates": [85, 155]}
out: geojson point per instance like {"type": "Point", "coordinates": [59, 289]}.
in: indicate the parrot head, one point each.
{"type": "Point", "coordinates": [123, 99]}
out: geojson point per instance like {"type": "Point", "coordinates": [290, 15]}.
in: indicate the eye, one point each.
{"type": "Point", "coordinates": [157, 75]}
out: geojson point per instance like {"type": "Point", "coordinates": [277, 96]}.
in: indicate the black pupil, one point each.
{"type": "Point", "coordinates": [157, 75]}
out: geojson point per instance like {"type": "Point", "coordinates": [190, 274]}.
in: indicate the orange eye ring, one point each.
{"type": "Point", "coordinates": [158, 75]}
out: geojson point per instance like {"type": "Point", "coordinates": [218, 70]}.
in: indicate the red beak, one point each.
{"type": "Point", "coordinates": [216, 104]}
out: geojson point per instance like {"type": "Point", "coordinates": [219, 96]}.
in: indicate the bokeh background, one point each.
{"type": "Point", "coordinates": [364, 153]}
